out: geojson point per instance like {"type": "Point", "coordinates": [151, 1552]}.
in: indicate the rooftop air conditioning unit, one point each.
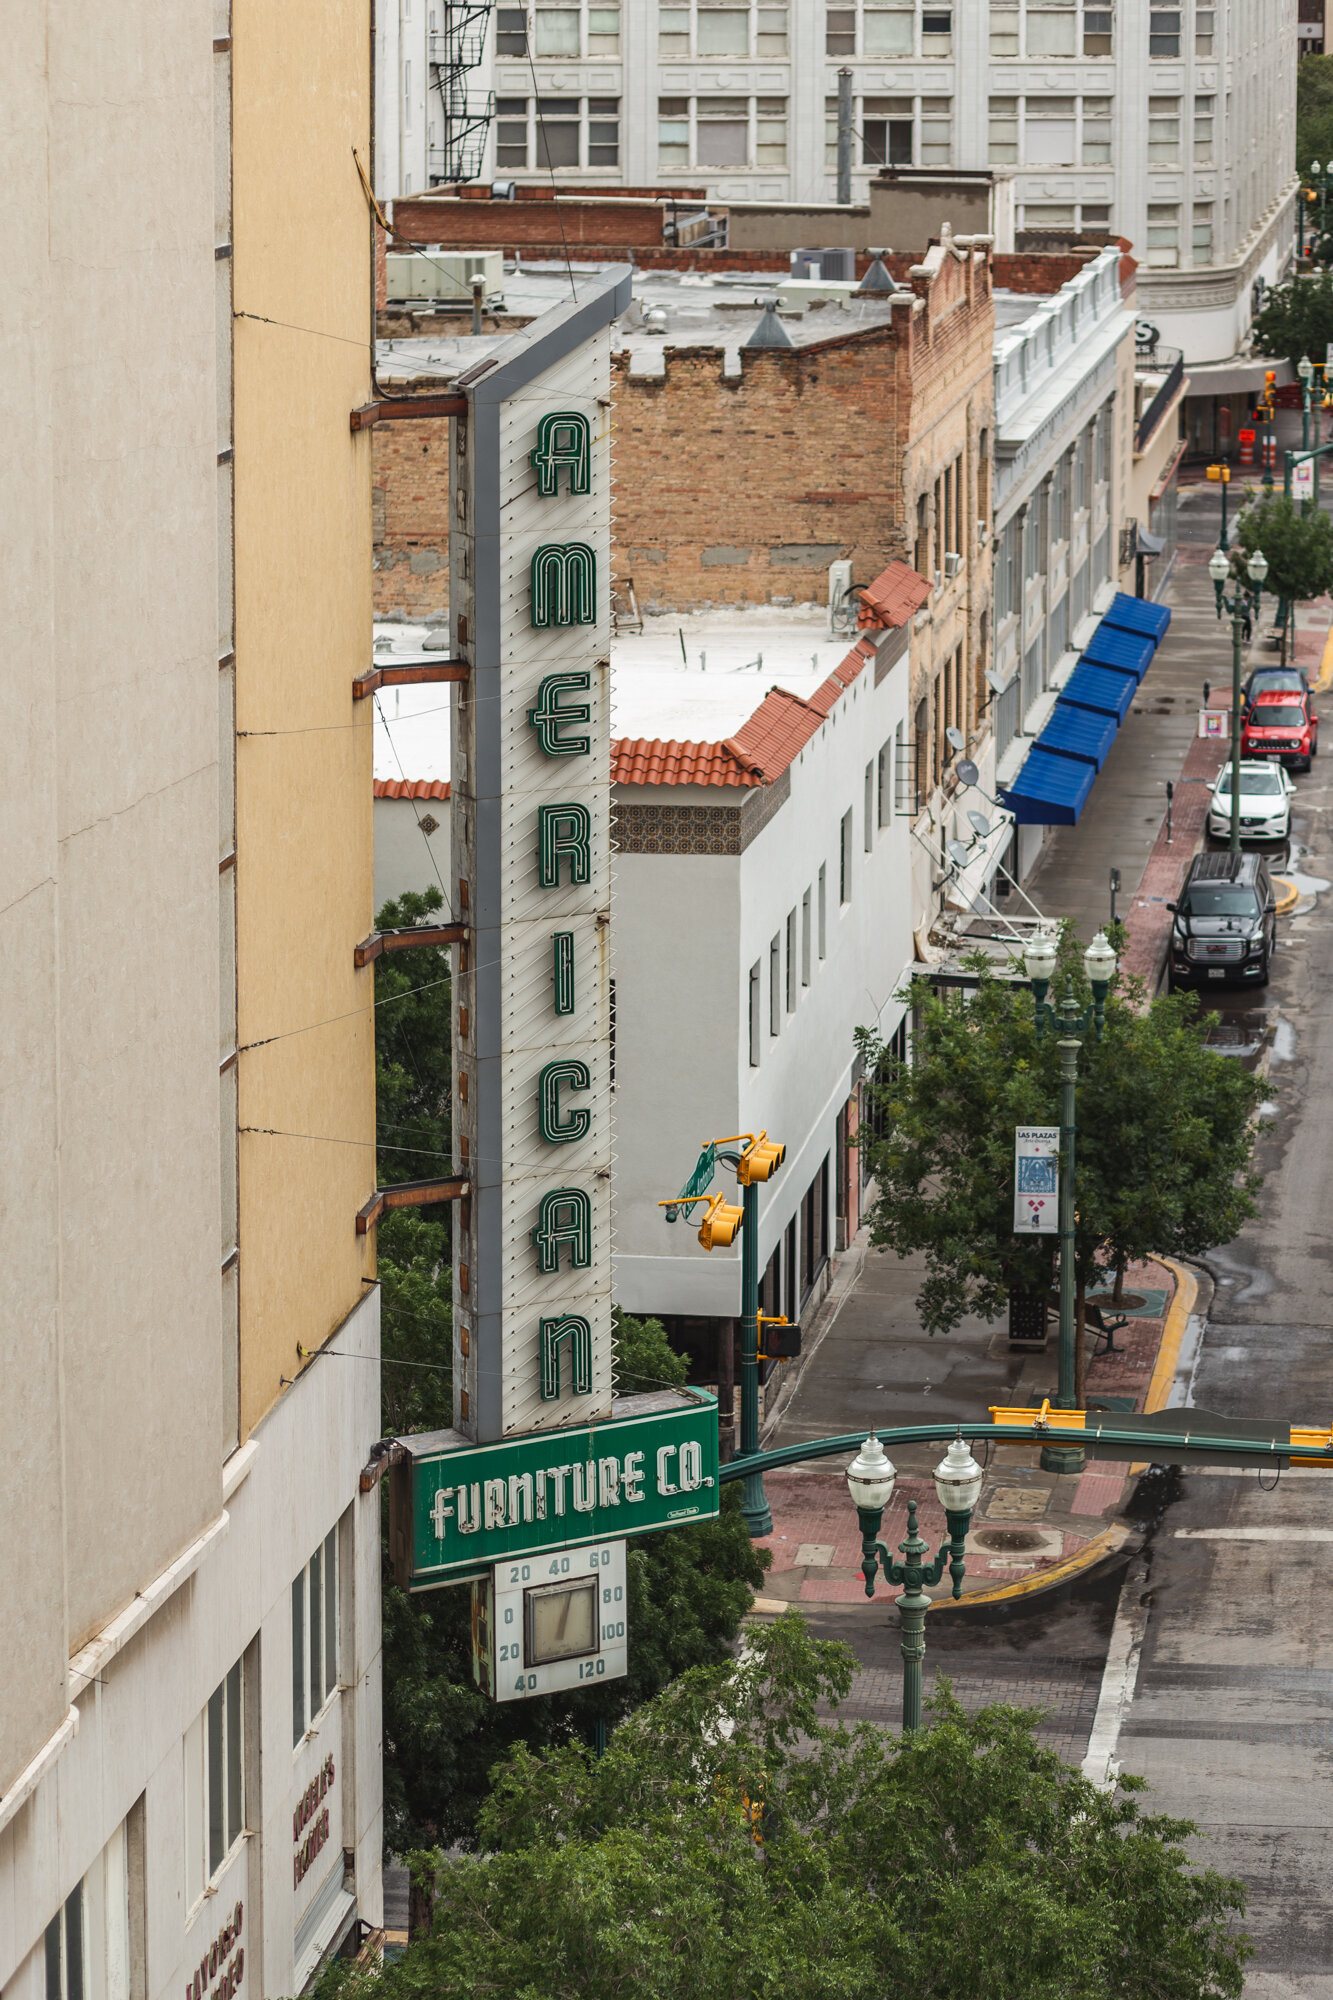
{"type": "Point", "coordinates": [444, 276]}
{"type": "Point", "coordinates": [841, 603]}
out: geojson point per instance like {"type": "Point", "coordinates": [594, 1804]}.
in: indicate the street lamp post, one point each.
{"type": "Point", "coordinates": [1305, 369]}
{"type": "Point", "coordinates": [870, 1480]}
{"type": "Point", "coordinates": [1241, 605]}
{"type": "Point", "coordinates": [1099, 962]}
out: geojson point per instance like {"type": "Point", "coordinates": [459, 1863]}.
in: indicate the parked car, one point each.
{"type": "Point", "coordinates": [1225, 924]}
{"type": "Point", "coordinates": [1282, 725]}
{"type": "Point", "coordinates": [1265, 801]}
{"type": "Point", "coordinates": [1273, 680]}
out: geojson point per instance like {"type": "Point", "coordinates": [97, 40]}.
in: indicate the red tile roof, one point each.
{"type": "Point", "coordinates": [894, 597]}
{"type": "Point", "coordinates": [411, 788]}
{"type": "Point", "coordinates": [759, 752]}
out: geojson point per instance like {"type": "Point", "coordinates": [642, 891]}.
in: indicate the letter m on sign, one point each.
{"type": "Point", "coordinates": [564, 584]}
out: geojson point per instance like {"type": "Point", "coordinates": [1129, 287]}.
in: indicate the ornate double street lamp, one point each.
{"type": "Point", "coordinates": [870, 1480]}
{"type": "Point", "coordinates": [1241, 607]}
{"type": "Point", "coordinates": [1073, 1025]}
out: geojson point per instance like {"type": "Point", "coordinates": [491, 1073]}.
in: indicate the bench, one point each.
{"type": "Point", "coordinates": [1105, 1326]}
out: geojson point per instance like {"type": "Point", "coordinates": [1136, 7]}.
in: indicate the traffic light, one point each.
{"type": "Point", "coordinates": [718, 1228]}
{"type": "Point", "coordinates": [760, 1160]}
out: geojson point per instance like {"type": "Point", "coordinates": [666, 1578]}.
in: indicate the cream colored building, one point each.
{"type": "Point", "coordinates": [189, 1712]}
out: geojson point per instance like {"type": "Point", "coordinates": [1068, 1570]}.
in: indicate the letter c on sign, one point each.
{"type": "Point", "coordinates": [559, 1127]}
{"type": "Point", "coordinates": [664, 1483]}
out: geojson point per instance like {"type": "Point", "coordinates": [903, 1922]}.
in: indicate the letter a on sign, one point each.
{"type": "Point", "coordinates": [1036, 1180]}
{"type": "Point", "coordinates": [564, 438]}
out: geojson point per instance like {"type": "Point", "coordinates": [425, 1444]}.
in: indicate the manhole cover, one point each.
{"type": "Point", "coordinates": [1008, 1541]}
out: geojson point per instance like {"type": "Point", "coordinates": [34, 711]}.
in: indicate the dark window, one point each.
{"type": "Point", "coordinates": [557, 132]}
{"type": "Point", "coordinates": [511, 132]}
{"type": "Point", "coordinates": [1097, 31]}
{"type": "Point", "coordinates": [1164, 33]}
{"type": "Point", "coordinates": [603, 131]}
{"type": "Point", "coordinates": [886, 142]}
{"type": "Point", "coordinates": [511, 31]}
{"type": "Point", "coordinates": [840, 31]}
{"type": "Point", "coordinates": [937, 24]}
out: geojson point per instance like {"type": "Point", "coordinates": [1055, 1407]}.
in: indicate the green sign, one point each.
{"type": "Point", "coordinates": [472, 1505]}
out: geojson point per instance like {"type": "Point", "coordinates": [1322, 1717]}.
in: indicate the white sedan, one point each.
{"type": "Point", "coordinates": [1265, 802]}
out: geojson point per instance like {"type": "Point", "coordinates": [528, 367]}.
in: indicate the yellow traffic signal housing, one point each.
{"type": "Point", "coordinates": [760, 1160]}
{"type": "Point", "coordinates": [1220, 472]}
{"type": "Point", "coordinates": [719, 1226]}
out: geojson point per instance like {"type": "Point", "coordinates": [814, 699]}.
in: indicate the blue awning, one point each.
{"type": "Point", "coordinates": [1107, 689]}
{"type": "Point", "coordinates": [1111, 646]}
{"type": "Point", "coordinates": [1084, 733]}
{"type": "Point", "coordinates": [1050, 790]}
{"type": "Point", "coordinates": [1136, 614]}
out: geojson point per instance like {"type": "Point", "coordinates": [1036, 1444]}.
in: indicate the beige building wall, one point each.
{"type": "Point", "coordinates": [302, 359]}
{"type": "Point", "coordinates": [108, 809]}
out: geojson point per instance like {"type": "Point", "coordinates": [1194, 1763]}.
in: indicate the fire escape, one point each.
{"type": "Point", "coordinates": [465, 113]}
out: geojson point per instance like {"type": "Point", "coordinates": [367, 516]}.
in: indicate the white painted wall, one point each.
{"type": "Point", "coordinates": [686, 931]}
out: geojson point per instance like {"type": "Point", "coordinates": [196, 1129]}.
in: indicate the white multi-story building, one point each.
{"type": "Point", "coordinates": [1169, 125]}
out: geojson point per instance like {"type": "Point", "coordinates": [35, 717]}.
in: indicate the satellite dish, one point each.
{"type": "Point", "coordinates": [967, 771]}
{"type": "Point", "coordinates": [959, 852]}
{"type": "Point", "coordinates": [980, 825]}
{"type": "Point", "coordinates": [995, 681]}
{"type": "Point", "coordinates": [956, 738]}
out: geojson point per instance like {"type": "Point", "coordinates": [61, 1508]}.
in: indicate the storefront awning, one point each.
{"type": "Point", "coordinates": [1138, 614]}
{"type": "Point", "coordinates": [1050, 790]}
{"type": "Point", "coordinates": [1079, 732]}
{"type": "Point", "coordinates": [1110, 690]}
{"type": "Point", "coordinates": [1112, 646]}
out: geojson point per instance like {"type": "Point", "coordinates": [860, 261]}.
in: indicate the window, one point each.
{"type": "Point", "coordinates": [407, 97]}
{"type": "Point", "coordinates": [936, 34]}
{"type": "Point", "coordinates": [1096, 31]}
{"type": "Point", "coordinates": [673, 32]}
{"type": "Point", "coordinates": [1004, 31]}
{"type": "Point", "coordinates": [87, 1942]}
{"type": "Point", "coordinates": [673, 133]}
{"type": "Point", "coordinates": [936, 131]}
{"type": "Point", "coordinates": [314, 1635]}
{"type": "Point", "coordinates": [1101, 447]}
{"type": "Point", "coordinates": [723, 138]}
{"type": "Point", "coordinates": [723, 31]}
{"type": "Point", "coordinates": [823, 909]}
{"type": "Point", "coordinates": [755, 1035]}
{"type": "Point", "coordinates": [1164, 131]}
{"type": "Point", "coordinates": [1203, 128]}
{"type": "Point", "coordinates": [1048, 132]}
{"type": "Point", "coordinates": [886, 131]}
{"type": "Point", "coordinates": [1096, 131]}
{"type": "Point", "coordinates": [557, 132]}
{"type": "Point", "coordinates": [1052, 31]}
{"type": "Point", "coordinates": [775, 986]}
{"type": "Point", "coordinates": [805, 939]}
{"type": "Point", "coordinates": [1164, 32]}
{"type": "Point", "coordinates": [840, 31]}
{"type": "Point", "coordinates": [1201, 242]}
{"type": "Point", "coordinates": [883, 782]}
{"type": "Point", "coordinates": [770, 132]}
{"type": "Point", "coordinates": [1003, 142]}
{"type": "Point", "coordinates": [868, 830]}
{"type": "Point", "coordinates": [845, 858]}
{"type": "Point", "coordinates": [214, 1785]}
{"type": "Point", "coordinates": [511, 131]}
{"type": "Point", "coordinates": [1203, 31]}
{"type": "Point", "coordinates": [1094, 216]}
{"type": "Point", "coordinates": [793, 967]}
{"type": "Point", "coordinates": [771, 35]}
{"type": "Point", "coordinates": [603, 131]}
{"type": "Point", "coordinates": [1163, 235]}
{"type": "Point", "coordinates": [1048, 215]}
{"type": "Point", "coordinates": [904, 789]}
{"type": "Point", "coordinates": [603, 33]}
{"type": "Point", "coordinates": [557, 31]}
{"type": "Point", "coordinates": [511, 31]}
{"type": "Point", "coordinates": [888, 31]}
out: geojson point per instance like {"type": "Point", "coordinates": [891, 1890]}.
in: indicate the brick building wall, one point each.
{"type": "Point", "coordinates": [410, 495]}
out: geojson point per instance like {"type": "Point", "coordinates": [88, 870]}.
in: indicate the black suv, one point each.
{"type": "Point", "coordinates": [1225, 923]}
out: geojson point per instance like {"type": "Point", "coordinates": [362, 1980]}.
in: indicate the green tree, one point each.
{"type": "Point", "coordinates": [1298, 547]}
{"type": "Point", "coordinates": [734, 1844]}
{"type": "Point", "coordinates": [1164, 1140]}
{"type": "Point", "coordinates": [645, 1358]}
{"type": "Point", "coordinates": [1314, 111]}
{"type": "Point", "coordinates": [1297, 319]}
{"type": "Point", "coordinates": [413, 1051]}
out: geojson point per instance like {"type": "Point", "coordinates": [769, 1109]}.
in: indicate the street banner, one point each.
{"type": "Point", "coordinates": [1036, 1180]}
{"type": "Point", "coordinates": [1302, 479]}
{"type": "Point", "coordinates": [1215, 723]}
{"type": "Point", "coordinates": [457, 1507]}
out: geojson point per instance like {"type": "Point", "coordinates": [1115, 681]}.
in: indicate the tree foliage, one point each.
{"type": "Point", "coordinates": [733, 1844]}
{"type": "Point", "coordinates": [1164, 1138]}
{"type": "Point", "coordinates": [1314, 111]}
{"type": "Point", "coordinates": [413, 1081]}
{"type": "Point", "coordinates": [645, 1358]}
{"type": "Point", "coordinates": [1297, 319]}
{"type": "Point", "coordinates": [1298, 547]}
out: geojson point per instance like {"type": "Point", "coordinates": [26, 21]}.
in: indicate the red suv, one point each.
{"type": "Point", "coordinates": [1282, 724]}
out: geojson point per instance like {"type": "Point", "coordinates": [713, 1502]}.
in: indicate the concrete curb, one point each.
{"type": "Point", "coordinates": [1108, 1543]}
{"type": "Point", "coordinates": [1288, 894]}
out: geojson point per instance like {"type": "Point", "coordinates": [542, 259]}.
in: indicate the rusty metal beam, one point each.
{"type": "Point", "coordinates": [407, 940]}
{"type": "Point", "coordinates": [408, 1194]}
{"type": "Point", "coordinates": [394, 409]}
{"type": "Point", "coordinates": [420, 672]}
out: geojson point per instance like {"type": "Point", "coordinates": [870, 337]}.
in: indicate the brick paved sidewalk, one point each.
{"type": "Point", "coordinates": [1027, 1520]}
